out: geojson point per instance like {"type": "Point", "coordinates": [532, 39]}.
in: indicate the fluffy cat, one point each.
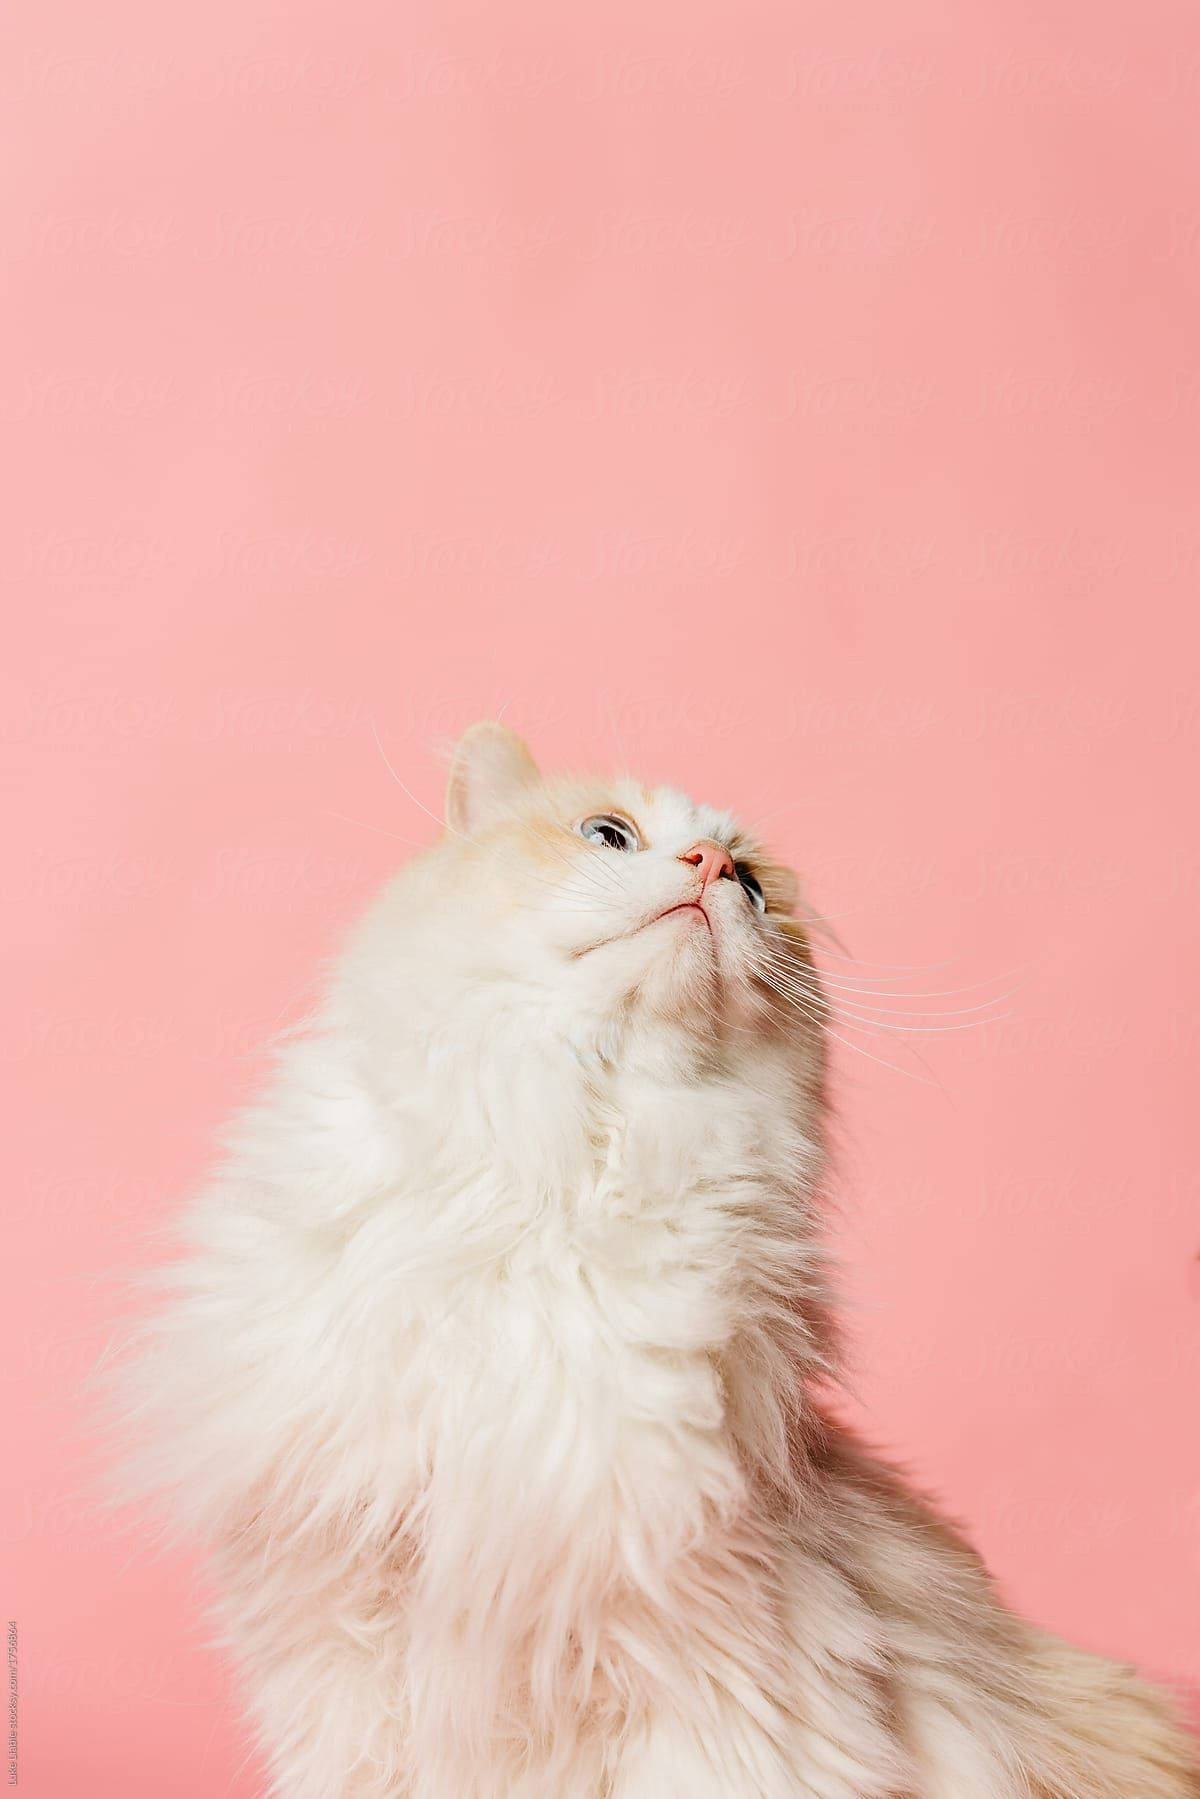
{"type": "Point", "coordinates": [488, 1369]}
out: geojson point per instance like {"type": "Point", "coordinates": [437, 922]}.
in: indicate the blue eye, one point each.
{"type": "Point", "coordinates": [750, 886]}
{"type": "Point", "coordinates": [614, 833]}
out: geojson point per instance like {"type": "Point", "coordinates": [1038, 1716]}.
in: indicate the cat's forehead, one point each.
{"type": "Point", "coordinates": [666, 816]}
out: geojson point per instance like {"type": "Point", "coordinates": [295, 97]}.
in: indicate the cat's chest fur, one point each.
{"type": "Point", "coordinates": [605, 1289]}
{"type": "Point", "coordinates": [662, 1179]}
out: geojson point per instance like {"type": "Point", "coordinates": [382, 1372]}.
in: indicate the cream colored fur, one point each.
{"type": "Point", "coordinates": [487, 1371]}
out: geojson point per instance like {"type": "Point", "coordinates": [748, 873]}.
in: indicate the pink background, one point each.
{"type": "Point", "coordinates": [799, 402]}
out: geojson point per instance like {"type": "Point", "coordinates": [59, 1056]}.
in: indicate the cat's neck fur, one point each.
{"type": "Point", "coordinates": [671, 1193]}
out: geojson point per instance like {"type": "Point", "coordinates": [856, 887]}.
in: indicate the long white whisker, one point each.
{"type": "Point", "coordinates": [923, 1030]}
{"type": "Point", "coordinates": [892, 967]}
{"type": "Point", "coordinates": [420, 804]}
{"type": "Point", "coordinates": [856, 1047]}
{"type": "Point", "coordinates": [365, 825]}
{"type": "Point", "coordinates": [809, 998]}
{"type": "Point", "coordinates": [865, 990]}
{"type": "Point", "coordinates": [865, 1002]}
{"type": "Point", "coordinates": [882, 1017]}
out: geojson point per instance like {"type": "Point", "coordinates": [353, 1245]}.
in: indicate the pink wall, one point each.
{"type": "Point", "coordinates": [799, 401]}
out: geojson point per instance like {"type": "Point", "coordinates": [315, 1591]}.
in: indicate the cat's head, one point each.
{"type": "Point", "coordinates": [620, 918]}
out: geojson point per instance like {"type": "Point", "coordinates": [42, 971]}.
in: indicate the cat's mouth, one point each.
{"type": "Point", "coordinates": [686, 906]}
{"type": "Point", "coordinates": [668, 912]}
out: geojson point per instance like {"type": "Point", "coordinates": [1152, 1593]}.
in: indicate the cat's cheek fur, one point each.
{"type": "Point", "coordinates": [487, 1370]}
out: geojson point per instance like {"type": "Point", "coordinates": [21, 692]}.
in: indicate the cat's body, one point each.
{"type": "Point", "coordinates": [489, 1370]}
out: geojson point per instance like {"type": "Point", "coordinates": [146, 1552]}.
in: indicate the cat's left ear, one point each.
{"type": "Point", "coordinates": [491, 767]}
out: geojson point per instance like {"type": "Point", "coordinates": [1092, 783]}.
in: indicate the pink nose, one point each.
{"type": "Point", "coordinates": [712, 861]}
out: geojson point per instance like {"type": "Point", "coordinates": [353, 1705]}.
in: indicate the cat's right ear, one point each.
{"type": "Point", "coordinates": [491, 767]}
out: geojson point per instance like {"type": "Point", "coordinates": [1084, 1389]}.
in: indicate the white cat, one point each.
{"type": "Point", "coordinates": [488, 1370]}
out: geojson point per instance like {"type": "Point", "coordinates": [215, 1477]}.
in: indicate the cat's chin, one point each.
{"type": "Point", "coordinates": [678, 965]}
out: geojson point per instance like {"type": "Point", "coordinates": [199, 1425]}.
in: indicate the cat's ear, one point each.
{"type": "Point", "coordinates": [491, 767]}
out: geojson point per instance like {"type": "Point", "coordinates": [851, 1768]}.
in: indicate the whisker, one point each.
{"type": "Point", "coordinates": [857, 1047]}
{"type": "Point", "coordinates": [866, 1002]}
{"type": "Point", "coordinates": [365, 825]}
{"type": "Point", "coordinates": [878, 1019]}
{"type": "Point", "coordinates": [828, 917]}
{"type": "Point", "coordinates": [864, 990]}
{"type": "Point", "coordinates": [420, 804]}
{"type": "Point", "coordinates": [892, 967]}
{"type": "Point", "coordinates": [928, 1029]}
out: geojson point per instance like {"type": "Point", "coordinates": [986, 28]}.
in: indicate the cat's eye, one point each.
{"type": "Point", "coordinates": [613, 832]}
{"type": "Point", "coordinates": [750, 886]}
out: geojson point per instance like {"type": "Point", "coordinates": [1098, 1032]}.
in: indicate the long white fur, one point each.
{"type": "Point", "coordinates": [488, 1368]}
